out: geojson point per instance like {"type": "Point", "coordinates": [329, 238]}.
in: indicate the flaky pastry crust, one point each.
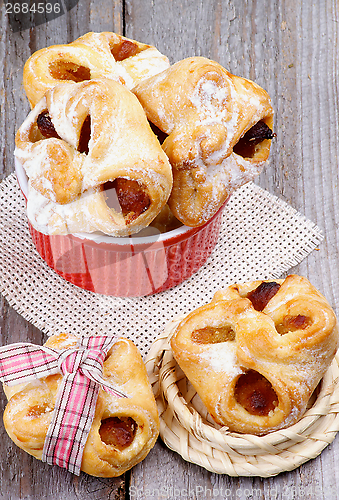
{"type": "Point", "coordinates": [257, 352]}
{"type": "Point", "coordinates": [93, 55]}
{"type": "Point", "coordinates": [206, 112]}
{"type": "Point", "coordinates": [116, 181]}
{"type": "Point", "coordinates": [29, 412]}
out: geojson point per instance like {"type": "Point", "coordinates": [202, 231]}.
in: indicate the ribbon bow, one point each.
{"type": "Point", "coordinates": [74, 410]}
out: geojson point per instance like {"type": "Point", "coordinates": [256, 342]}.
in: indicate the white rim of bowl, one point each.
{"type": "Point", "coordinates": [102, 238]}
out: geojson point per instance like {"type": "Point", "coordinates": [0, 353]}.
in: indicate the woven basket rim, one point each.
{"type": "Point", "coordinates": [220, 451]}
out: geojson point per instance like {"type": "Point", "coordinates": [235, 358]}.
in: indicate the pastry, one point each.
{"type": "Point", "coordinates": [218, 131]}
{"type": "Point", "coordinates": [165, 221]}
{"type": "Point", "coordinates": [92, 160]}
{"type": "Point", "coordinates": [91, 56]}
{"type": "Point", "coordinates": [257, 352]}
{"type": "Point", "coordinates": [123, 430]}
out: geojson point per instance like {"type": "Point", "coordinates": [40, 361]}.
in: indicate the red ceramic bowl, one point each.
{"type": "Point", "coordinates": [130, 266]}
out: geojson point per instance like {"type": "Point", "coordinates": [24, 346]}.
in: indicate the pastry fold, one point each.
{"type": "Point", "coordinates": [123, 430]}
{"type": "Point", "coordinates": [93, 55]}
{"type": "Point", "coordinates": [206, 113]}
{"type": "Point", "coordinates": [88, 150]}
{"type": "Point", "coordinates": [257, 352]}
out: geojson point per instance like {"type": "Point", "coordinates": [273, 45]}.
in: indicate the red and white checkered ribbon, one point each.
{"type": "Point", "coordinates": [74, 410]}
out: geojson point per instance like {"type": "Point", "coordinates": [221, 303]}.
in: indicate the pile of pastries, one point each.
{"type": "Point", "coordinates": [119, 139]}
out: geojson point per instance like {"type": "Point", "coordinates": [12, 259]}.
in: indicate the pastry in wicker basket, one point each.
{"type": "Point", "coordinates": [93, 162]}
{"type": "Point", "coordinates": [94, 55]}
{"type": "Point", "coordinates": [123, 430]}
{"type": "Point", "coordinates": [257, 352]}
{"type": "Point", "coordinates": [219, 131]}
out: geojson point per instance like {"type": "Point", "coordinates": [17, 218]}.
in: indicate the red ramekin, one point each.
{"type": "Point", "coordinates": [132, 266]}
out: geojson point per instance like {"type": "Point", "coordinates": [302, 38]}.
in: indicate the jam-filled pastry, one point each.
{"type": "Point", "coordinates": [91, 156]}
{"type": "Point", "coordinates": [94, 55]}
{"type": "Point", "coordinates": [123, 430]}
{"type": "Point", "coordinates": [257, 352]}
{"type": "Point", "coordinates": [216, 130]}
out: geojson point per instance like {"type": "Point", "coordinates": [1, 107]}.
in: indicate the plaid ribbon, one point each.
{"type": "Point", "coordinates": [74, 410]}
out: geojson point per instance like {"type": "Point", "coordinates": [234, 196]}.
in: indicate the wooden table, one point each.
{"type": "Point", "coordinates": [291, 49]}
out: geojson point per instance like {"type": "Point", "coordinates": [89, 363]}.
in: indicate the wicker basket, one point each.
{"type": "Point", "coordinates": [187, 428]}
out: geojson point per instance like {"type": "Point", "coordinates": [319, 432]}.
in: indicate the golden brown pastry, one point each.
{"type": "Point", "coordinates": [218, 129]}
{"type": "Point", "coordinates": [123, 430]}
{"type": "Point", "coordinates": [256, 353]}
{"type": "Point", "coordinates": [91, 56]}
{"type": "Point", "coordinates": [92, 160]}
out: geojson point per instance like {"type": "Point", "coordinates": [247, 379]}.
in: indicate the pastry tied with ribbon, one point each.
{"type": "Point", "coordinates": [94, 55]}
{"type": "Point", "coordinates": [257, 352]}
{"type": "Point", "coordinates": [93, 162]}
{"type": "Point", "coordinates": [122, 430]}
{"type": "Point", "coordinates": [216, 130]}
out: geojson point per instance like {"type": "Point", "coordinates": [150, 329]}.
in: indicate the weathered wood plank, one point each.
{"type": "Point", "coordinates": [21, 475]}
{"type": "Point", "coordinates": [289, 48]}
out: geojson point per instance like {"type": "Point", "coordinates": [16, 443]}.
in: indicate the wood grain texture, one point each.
{"type": "Point", "coordinates": [291, 49]}
{"type": "Point", "coordinates": [21, 476]}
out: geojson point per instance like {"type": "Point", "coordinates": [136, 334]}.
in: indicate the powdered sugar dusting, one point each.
{"type": "Point", "coordinates": [231, 173]}
{"type": "Point", "coordinates": [211, 101]}
{"type": "Point", "coordinates": [222, 358]}
{"type": "Point", "coordinates": [143, 65]}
